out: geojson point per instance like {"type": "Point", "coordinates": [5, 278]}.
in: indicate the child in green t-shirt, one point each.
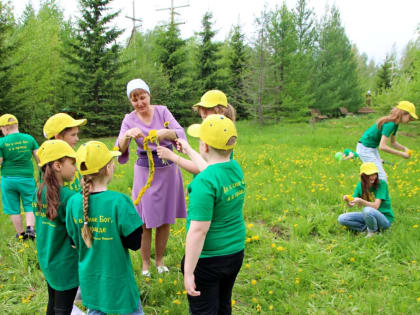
{"type": "Point", "coordinates": [62, 126]}
{"type": "Point", "coordinates": [349, 154]}
{"type": "Point", "coordinates": [371, 193]}
{"type": "Point", "coordinates": [215, 225]}
{"type": "Point", "coordinates": [385, 129]}
{"type": "Point", "coordinates": [17, 174]}
{"type": "Point", "coordinates": [103, 225]}
{"type": "Point", "coordinates": [57, 258]}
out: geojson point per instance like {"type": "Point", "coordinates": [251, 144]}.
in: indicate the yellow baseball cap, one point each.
{"type": "Point", "coordinates": [408, 107]}
{"type": "Point", "coordinates": [368, 168]}
{"type": "Point", "coordinates": [215, 130]}
{"type": "Point", "coordinates": [52, 150]}
{"type": "Point", "coordinates": [213, 98]}
{"type": "Point", "coordinates": [7, 120]}
{"type": "Point", "coordinates": [58, 122]}
{"type": "Point", "coordinates": [94, 155]}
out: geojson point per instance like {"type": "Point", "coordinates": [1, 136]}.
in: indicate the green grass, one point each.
{"type": "Point", "coordinates": [298, 260]}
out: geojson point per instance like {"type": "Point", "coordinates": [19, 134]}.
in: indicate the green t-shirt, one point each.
{"type": "Point", "coordinates": [217, 194]}
{"type": "Point", "coordinates": [57, 258]}
{"type": "Point", "coordinates": [75, 184]}
{"type": "Point", "coordinates": [381, 192]}
{"type": "Point", "coordinates": [106, 275]}
{"type": "Point", "coordinates": [347, 152]}
{"type": "Point", "coordinates": [16, 150]}
{"type": "Point", "coordinates": [372, 137]}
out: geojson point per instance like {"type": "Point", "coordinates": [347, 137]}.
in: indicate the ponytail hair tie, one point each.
{"type": "Point", "coordinates": [85, 223]}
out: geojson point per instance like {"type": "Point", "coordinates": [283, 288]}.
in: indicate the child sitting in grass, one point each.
{"type": "Point", "coordinates": [371, 193]}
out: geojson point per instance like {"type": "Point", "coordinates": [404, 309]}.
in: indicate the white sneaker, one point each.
{"type": "Point", "coordinates": [145, 273]}
{"type": "Point", "coordinates": [77, 311]}
{"type": "Point", "coordinates": [162, 269]}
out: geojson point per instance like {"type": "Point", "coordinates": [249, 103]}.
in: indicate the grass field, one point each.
{"type": "Point", "coordinates": [298, 260]}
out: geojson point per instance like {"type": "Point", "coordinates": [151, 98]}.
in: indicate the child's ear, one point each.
{"type": "Point", "coordinates": [206, 148]}
{"type": "Point", "coordinates": [56, 166]}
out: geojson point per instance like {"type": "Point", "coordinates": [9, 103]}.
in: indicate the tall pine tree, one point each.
{"type": "Point", "coordinates": [384, 76]}
{"type": "Point", "coordinates": [97, 76]}
{"type": "Point", "coordinates": [208, 57]}
{"type": "Point", "coordinates": [238, 63]}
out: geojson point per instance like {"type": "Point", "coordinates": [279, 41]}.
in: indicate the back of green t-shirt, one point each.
{"type": "Point", "coordinates": [16, 150]}
{"type": "Point", "coordinates": [57, 258]}
{"type": "Point", "coordinates": [106, 274]}
{"type": "Point", "coordinates": [381, 192]}
{"type": "Point", "coordinates": [217, 194]}
{"type": "Point", "coordinates": [372, 137]}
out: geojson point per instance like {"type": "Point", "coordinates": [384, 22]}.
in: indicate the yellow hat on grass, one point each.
{"type": "Point", "coordinates": [408, 107]}
{"type": "Point", "coordinates": [93, 155]}
{"type": "Point", "coordinates": [57, 123]}
{"type": "Point", "coordinates": [7, 120]}
{"type": "Point", "coordinates": [216, 131]}
{"type": "Point", "coordinates": [368, 168]}
{"type": "Point", "coordinates": [213, 98]}
{"type": "Point", "coordinates": [52, 150]}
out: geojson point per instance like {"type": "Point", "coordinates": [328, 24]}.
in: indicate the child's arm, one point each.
{"type": "Point", "coordinates": [193, 247]}
{"type": "Point", "coordinates": [195, 157]}
{"type": "Point", "coordinates": [165, 153]}
{"type": "Point", "coordinates": [133, 240]}
{"type": "Point", "coordinates": [363, 203]}
{"type": "Point", "coordinates": [1, 160]}
{"type": "Point", "coordinates": [383, 145]}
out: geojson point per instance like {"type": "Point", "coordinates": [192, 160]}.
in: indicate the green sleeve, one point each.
{"type": "Point", "coordinates": [202, 198]}
{"type": "Point", "coordinates": [382, 190]}
{"type": "Point", "coordinates": [128, 218]}
{"type": "Point", "coordinates": [389, 128]}
{"type": "Point", "coordinates": [65, 195]}
{"type": "Point", "coordinates": [35, 145]}
{"type": "Point", "coordinates": [358, 190]}
{"type": "Point", "coordinates": [70, 225]}
{"type": "Point", "coordinates": [1, 148]}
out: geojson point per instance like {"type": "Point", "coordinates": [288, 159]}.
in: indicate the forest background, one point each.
{"type": "Point", "coordinates": [294, 62]}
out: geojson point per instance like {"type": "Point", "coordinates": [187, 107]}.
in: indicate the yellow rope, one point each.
{"type": "Point", "coordinates": [152, 137]}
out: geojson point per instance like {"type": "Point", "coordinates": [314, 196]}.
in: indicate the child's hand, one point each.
{"type": "Point", "coordinates": [189, 284]}
{"type": "Point", "coordinates": [134, 133]}
{"type": "Point", "coordinates": [182, 145]}
{"type": "Point", "coordinates": [164, 153]}
{"type": "Point", "coordinates": [356, 201]}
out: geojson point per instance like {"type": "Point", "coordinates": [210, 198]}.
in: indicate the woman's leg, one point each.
{"type": "Point", "coordinates": [375, 220]}
{"type": "Point", "coordinates": [162, 235]}
{"type": "Point", "coordinates": [51, 299]}
{"type": "Point", "coordinates": [64, 300]}
{"type": "Point", "coordinates": [146, 243]}
{"type": "Point", "coordinates": [353, 220]}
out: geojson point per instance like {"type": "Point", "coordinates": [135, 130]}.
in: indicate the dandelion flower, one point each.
{"type": "Point", "coordinates": [253, 282]}
{"type": "Point", "coordinates": [176, 301]}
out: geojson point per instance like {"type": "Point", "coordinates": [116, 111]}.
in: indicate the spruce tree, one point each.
{"type": "Point", "coordinates": [208, 57]}
{"type": "Point", "coordinates": [97, 77]}
{"type": "Point", "coordinates": [384, 76]}
{"type": "Point", "coordinates": [172, 56]}
{"type": "Point", "coordinates": [336, 80]}
{"type": "Point", "coordinates": [238, 63]}
{"type": "Point", "coordinates": [7, 48]}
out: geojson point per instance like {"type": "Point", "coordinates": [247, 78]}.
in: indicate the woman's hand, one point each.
{"type": "Point", "coordinates": [166, 134]}
{"type": "Point", "coordinates": [189, 284]}
{"type": "Point", "coordinates": [357, 201]}
{"type": "Point", "coordinates": [133, 133]}
{"type": "Point", "coordinates": [165, 153]}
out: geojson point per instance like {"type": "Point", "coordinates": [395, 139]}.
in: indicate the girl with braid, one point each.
{"type": "Point", "coordinates": [57, 258]}
{"type": "Point", "coordinates": [103, 225]}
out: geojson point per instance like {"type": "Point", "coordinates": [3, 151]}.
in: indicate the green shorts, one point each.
{"type": "Point", "coordinates": [15, 189]}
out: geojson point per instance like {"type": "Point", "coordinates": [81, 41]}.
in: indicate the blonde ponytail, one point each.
{"type": "Point", "coordinates": [86, 232]}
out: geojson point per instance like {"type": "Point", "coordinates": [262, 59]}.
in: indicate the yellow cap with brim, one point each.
{"type": "Point", "coordinates": [408, 107]}
{"type": "Point", "coordinates": [7, 120]}
{"type": "Point", "coordinates": [94, 155]}
{"type": "Point", "coordinates": [368, 168]}
{"type": "Point", "coordinates": [57, 123]}
{"type": "Point", "coordinates": [213, 98]}
{"type": "Point", "coordinates": [52, 150]}
{"type": "Point", "coordinates": [216, 131]}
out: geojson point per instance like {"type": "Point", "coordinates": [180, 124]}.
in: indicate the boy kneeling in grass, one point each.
{"type": "Point", "coordinates": [216, 230]}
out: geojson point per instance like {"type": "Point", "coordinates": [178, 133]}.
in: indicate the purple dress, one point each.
{"type": "Point", "coordinates": [164, 201]}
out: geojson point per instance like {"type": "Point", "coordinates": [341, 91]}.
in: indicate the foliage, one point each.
{"type": "Point", "coordinates": [298, 259]}
{"type": "Point", "coordinates": [97, 76]}
{"type": "Point", "coordinates": [384, 80]}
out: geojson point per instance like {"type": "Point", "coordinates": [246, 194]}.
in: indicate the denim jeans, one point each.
{"type": "Point", "coordinates": [370, 219]}
{"type": "Point", "coordinates": [138, 311]}
{"type": "Point", "coordinates": [367, 154]}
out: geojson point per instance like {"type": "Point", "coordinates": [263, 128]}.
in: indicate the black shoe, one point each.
{"type": "Point", "coordinates": [30, 233]}
{"type": "Point", "coordinates": [21, 236]}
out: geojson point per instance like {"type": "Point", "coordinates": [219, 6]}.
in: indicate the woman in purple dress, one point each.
{"type": "Point", "coordinates": [164, 201]}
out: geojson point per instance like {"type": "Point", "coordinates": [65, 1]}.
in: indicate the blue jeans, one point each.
{"type": "Point", "coordinates": [138, 311]}
{"type": "Point", "coordinates": [370, 219]}
{"type": "Point", "coordinates": [371, 155]}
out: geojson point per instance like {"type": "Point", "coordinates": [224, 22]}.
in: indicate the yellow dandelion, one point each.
{"type": "Point", "coordinates": [176, 301]}
{"type": "Point", "coordinates": [160, 280]}
{"type": "Point", "coordinates": [175, 282]}
{"type": "Point", "coordinates": [270, 292]}
{"type": "Point", "coordinates": [415, 226]}
{"type": "Point", "coordinates": [184, 292]}
{"type": "Point", "coordinates": [418, 299]}
{"type": "Point", "coordinates": [253, 282]}
{"type": "Point", "coordinates": [271, 307]}
{"type": "Point", "coordinates": [258, 308]}
{"type": "Point", "coordinates": [166, 312]}
{"type": "Point", "coordinates": [254, 300]}
{"type": "Point", "coordinates": [273, 245]}
{"type": "Point", "coordinates": [248, 240]}
{"type": "Point", "coordinates": [247, 266]}
{"type": "Point", "coordinates": [250, 226]}
{"type": "Point", "coordinates": [233, 302]}
{"type": "Point", "coordinates": [178, 293]}
{"type": "Point", "coordinates": [255, 238]}
{"type": "Point", "coordinates": [295, 225]}
{"type": "Point", "coordinates": [281, 248]}
{"type": "Point", "coordinates": [352, 259]}
{"type": "Point", "coordinates": [147, 279]}
{"type": "Point", "coordinates": [297, 281]}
